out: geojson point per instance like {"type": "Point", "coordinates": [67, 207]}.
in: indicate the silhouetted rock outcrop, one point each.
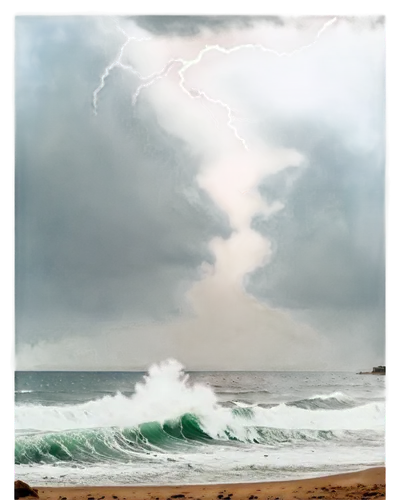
{"type": "Point", "coordinates": [376, 370]}
{"type": "Point", "coordinates": [22, 489]}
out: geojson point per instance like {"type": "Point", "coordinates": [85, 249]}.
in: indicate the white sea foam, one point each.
{"type": "Point", "coordinates": [318, 434]}
{"type": "Point", "coordinates": [166, 394]}
{"type": "Point", "coordinates": [339, 396]}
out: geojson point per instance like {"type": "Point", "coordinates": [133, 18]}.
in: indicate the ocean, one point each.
{"type": "Point", "coordinates": [169, 426]}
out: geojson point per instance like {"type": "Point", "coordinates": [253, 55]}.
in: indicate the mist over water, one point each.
{"type": "Point", "coordinates": [130, 428]}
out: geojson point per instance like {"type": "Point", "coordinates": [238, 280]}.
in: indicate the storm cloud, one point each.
{"type": "Point", "coordinates": [190, 25]}
{"type": "Point", "coordinates": [108, 218]}
{"type": "Point", "coordinates": [232, 217]}
{"type": "Point", "coordinates": [327, 266]}
{"type": "Point", "coordinates": [371, 21]}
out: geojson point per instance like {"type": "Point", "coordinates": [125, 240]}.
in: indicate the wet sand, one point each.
{"type": "Point", "coordinates": [366, 484]}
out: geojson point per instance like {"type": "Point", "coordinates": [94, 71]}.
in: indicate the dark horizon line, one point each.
{"type": "Point", "coordinates": [188, 371]}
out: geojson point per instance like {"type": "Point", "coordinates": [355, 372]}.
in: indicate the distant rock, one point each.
{"type": "Point", "coordinates": [22, 489]}
{"type": "Point", "coordinates": [377, 370]}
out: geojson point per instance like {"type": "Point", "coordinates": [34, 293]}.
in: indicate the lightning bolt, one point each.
{"type": "Point", "coordinates": [194, 93]}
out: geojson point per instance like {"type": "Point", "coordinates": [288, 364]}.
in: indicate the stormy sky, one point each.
{"type": "Point", "coordinates": [208, 188]}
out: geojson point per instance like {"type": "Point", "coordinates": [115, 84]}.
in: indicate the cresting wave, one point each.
{"type": "Point", "coordinates": [336, 400]}
{"type": "Point", "coordinates": [167, 414]}
{"type": "Point", "coordinates": [90, 446]}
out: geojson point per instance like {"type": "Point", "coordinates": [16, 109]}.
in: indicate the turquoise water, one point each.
{"type": "Point", "coordinates": [172, 426]}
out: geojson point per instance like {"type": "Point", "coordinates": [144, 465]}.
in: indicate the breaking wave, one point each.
{"type": "Point", "coordinates": [336, 400]}
{"type": "Point", "coordinates": [166, 414]}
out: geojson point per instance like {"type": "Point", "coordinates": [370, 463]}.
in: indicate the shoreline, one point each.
{"type": "Point", "coordinates": [367, 483]}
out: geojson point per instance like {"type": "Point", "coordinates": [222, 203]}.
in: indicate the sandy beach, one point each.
{"type": "Point", "coordinates": [369, 483]}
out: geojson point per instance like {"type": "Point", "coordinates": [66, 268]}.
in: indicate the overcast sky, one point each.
{"type": "Point", "coordinates": [204, 188]}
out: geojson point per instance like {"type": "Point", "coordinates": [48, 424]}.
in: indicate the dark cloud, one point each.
{"type": "Point", "coordinates": [328, 262]}
{"type": "Point", "coordinates": [192, 25]}
{"type": "Point", "coordinates": [377, 21]}
{"type": "Point", "coordinates": [110, 224]}
{"type": "Point", "coordinates": [371, 21]}
{"type": "Point", "coordinates": [188, 26]}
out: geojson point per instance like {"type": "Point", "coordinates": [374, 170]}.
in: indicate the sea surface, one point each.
{"type": "Point", "coordinates": [168, 426]}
